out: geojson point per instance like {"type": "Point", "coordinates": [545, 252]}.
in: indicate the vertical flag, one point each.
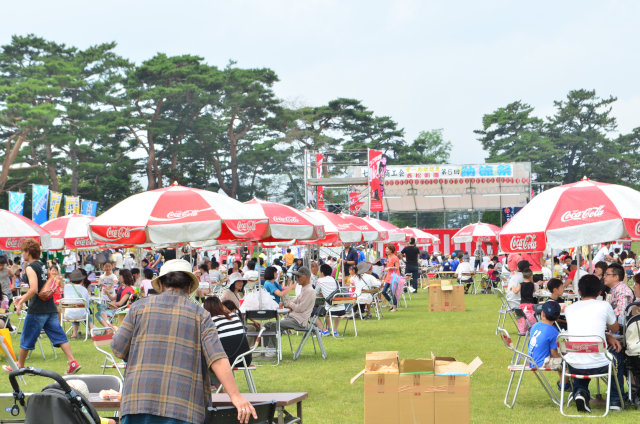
{"type": "Point", "coordinates": [71, 205]}
{"type": "Point", "coordinates": [319, 160]}
{"type": "Point", "coordinates": [354, 200]}
{"type": "Point", "coordinates": [55, 199]}
{"type": "Point", "coordinates": [376, 165]}
{"type": "Point", "coordinates": [16, 202]}
{"type": "Point", "coordinates": [89, 207]}
{"type": "Point", "coordinates": [508, 213]}
{"type": "Point", "coordinates": [40, 196]}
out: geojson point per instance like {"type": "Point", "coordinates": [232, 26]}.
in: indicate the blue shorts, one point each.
{"type": "Point", "coordinates": [103, 308]}
{"type": "Point", "coordinates": [629, 272]}
{"type": "Point", "coordinates": [35, 323]}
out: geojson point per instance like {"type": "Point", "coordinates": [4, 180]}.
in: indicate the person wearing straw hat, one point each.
{"type": "Point", "coordinates": [168, 343]}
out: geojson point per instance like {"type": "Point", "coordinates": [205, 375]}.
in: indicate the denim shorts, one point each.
{"type": "Point", "coordinates": [103, 308]}
{"type": "Point", "coordinates": [35, 323]}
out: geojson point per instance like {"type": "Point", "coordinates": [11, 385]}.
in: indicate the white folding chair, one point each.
{"type": "Point", "coordinates": [101, 338]}
{"type": "Point", "coordinates": [72, 305]}
{"type": "Point", "coordinates": [240, 364]}
{"type": "Point", "coordinates": [580, 345]}
{"type": "Point", "coordinates": [524, 363]}
{"type": "Point", "coordinates": [266, 315]}
{"type": "Point", "coordinates": [503, 311]}
{"type": "Point", "coordinates": [350, 303]}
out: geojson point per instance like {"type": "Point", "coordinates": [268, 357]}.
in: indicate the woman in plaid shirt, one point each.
{"type": "Point", "coordinates": [169, 342]}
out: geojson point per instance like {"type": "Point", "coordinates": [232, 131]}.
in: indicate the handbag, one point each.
{"type": "Point", "coordinates": [46, 292]}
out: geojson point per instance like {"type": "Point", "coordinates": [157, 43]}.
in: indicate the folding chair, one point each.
{"type": "Point", "coordinates": [102, 337]}
{"type": "Point", "coordinates": [376, 301]}
{"type": "Point", "coordinates": [503, 311]}
{"type": "Point", "coordinates": [311, 331]}
{"type": "Point", "coordinates": [75, 303]}
{"type": "Point", "coordinates": [229, 414]}
{"type": "Point", "coordinates": [97, 382]}
{"type": "Point", "coordinates": [350, 303]}
{"type": "Point", "coordinates": [264, 315]}
{"type": "Point", "coordinates": [524, 363]}
{"type": "Point", "coordinates": [577, 345]}
{"type": "Point", "coordinates": [240, 364]}
{"type": "Point", "coordinates": [518, 315]}
{"type": "Point", "coordinates": [408, 278]}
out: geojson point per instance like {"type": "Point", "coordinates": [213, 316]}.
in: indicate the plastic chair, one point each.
{"type": "Point", "coordinates": [524, 363]}
{"type": "Point", "coordinates": [75, 303]}
{"type": "Point", "coordinates": [102, 337]}
{"type": "Point", "coordinates": [577, 345]}
{"type": "Point", "coordinates": [240, 364]}
{"type": "Point", "coordinates": [229, 414]}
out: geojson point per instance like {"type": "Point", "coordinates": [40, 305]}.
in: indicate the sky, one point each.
{"type": "Point", "coordinates": [425, 64]}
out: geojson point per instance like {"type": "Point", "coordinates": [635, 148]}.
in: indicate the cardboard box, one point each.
{"type": "Point", "coordinates": [446, 296]}
{"type": "Point", "coordinates": [421, 391]}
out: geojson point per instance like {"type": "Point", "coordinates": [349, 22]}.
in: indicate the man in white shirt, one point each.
{"type": "Point", "coordinates": [326, 286]}
{"type": "Point", "coordinates": [129, 262]}
{"type": "Point", "coordinates": [604, 254]}
{"type": "Point", "coordinates": [592, 317]}
{"type": "Point", "coordinates": [465, 273]}
{"type": "Point", "coordinates": [118, 260]}
{"type": "Point", "coordinates": [69, 262]}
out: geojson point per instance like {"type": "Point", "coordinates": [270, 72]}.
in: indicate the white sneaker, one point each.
{"type": "Point", "coordinates": [412, 290]}
{"type": "Point", "coordinates": [269, 354]}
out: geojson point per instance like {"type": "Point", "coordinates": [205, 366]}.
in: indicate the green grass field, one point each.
{"type": "Point", "coordinates": [414, 332]}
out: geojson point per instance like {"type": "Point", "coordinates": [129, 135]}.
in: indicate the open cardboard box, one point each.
{"type": "Point", "coordinates": [432, 390]}
{"type": "Point", "coordinates": [446, 296]}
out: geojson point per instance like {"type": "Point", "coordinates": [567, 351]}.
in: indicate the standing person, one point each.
{"type": "Point", "coordinates": [288, 258]}
{"type": "Point", "coordinates": [478, 255]}
{"type": "Point", "coordinates": [411, 254]}
{"type": "Point", "coordinates": [129, 262]}
{"type": "Point", "coordinates": [118, 260]}
{"type": "Point", "coordinates": [108, 281]}
{"type": "Point", "coordinates": [168, 343]}
{"type": "Point", "coordinates": [348, 258]}
{"type": "Point", "coordinates": [42, 314]}
{"type": "Point", "coordinates": [604, 254]}
{"type": "Point", "coordinates": [69, 262]}
{"type": "Point", "coordinates": [392, 267]}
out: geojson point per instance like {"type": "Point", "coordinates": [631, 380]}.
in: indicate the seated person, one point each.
{"type": "Point", "coordinates": [230, 329]}
{"type": "Point", "coordinates": [513, 287]}
{"type": "Point", "coordinates": [543, 347]}
{"type": "Point", "coordinates": [123, 294]}
{"type": "Point", "coordinates": [364, 280]}
{"type": "Point", "coordinates": [620, 294]}
{"type": "Point", "coordinates": [300, 308]}
{"type": "Point", "coordinates": [556, 288]}
{"type": "Point", "coordinates": [272, 286]}
{"type": "Point", "coordinates": [574, 275]}
{"type": "Point", "coordinates": [76, 290]}
{"type": "Point", "coordinates": [327, 286]}
{"type": "Point", "coordinates": [526, 289]}
{"type": "Point", "coordinates": [592, 317]}
{"type": "Point", "coordinates": [465, 273]}
{"type": "Point", "coordinates": [108, 281]}
{"type": "Point", "coordinates": [252, 276]}
{"type": "Point", "coordinates": [235, 291]}
{"type": "Point", "coordinates": [204, 289]}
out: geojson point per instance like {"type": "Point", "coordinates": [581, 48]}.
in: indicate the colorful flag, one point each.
{"type": "Point", "coordinates": [354, 200]}
{"type": "Point", "coordinates": [40, 196]}
{"type": "Point", "coordinates": [71, 205]}
{"type": "Point", "coordinates": [319, 160]}
{"type": "Point", "coordinates": [16, 202]}
{"type": "Point", "coordinates": [508, 213]}
{"type": "Point", "coordinates": [377, 169]}
{"type": "Point", "coordinates": [55, 199]}
{"type": "Point", "coordinates": [89, 207]}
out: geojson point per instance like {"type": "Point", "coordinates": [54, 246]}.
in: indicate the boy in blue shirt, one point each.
{"type": "Point", "coordinates": [543, 347]}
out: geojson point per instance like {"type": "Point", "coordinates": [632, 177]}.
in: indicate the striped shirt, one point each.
{"type": "Point", "coordinates": [228, 327]}
{"type": "Point", "coordinates": [169, 343]}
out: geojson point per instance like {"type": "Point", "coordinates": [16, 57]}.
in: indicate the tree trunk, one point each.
{"type": "Point", "coordinates": [75, 178]}
{"type": "Point", "coordinates": [151, 163]}
{"type": "Point", "coordinates": [55, 185]}
{"type": "Point", "coordinates": [11, 153]}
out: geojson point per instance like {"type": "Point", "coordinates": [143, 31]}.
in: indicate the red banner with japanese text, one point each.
{"type": "Point", "coordinates": [354, 201]}
{"type": "Point", "coordinates": [319, 163]}
{"type": "Point", "coordinates": [377, 165]}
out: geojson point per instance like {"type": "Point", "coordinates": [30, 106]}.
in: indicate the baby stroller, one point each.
{"type": "Point", "coordinates": [490, 281]}
{"type": "Point", "coordinates": [57, 403]}
{"type": "Point", "coordinates": [631, 330]}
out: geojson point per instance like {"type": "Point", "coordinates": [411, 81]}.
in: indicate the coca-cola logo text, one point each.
{"type": "Point", "coordinates": [589, 347]}
{"type": "Point", "coordinates": [581, 215]}
{"type": "Point", "coordinates": [245, 227]}
{"type": "Point", "coordinates": [14, 243]}
{"type": "Point", "coordinates": [524, 243]}
{"type": "Point", "coordinates": [84, 242]}
{"type": "Point", "coordinates": [638, 228]}
{"type": "Point", "coordinates": [118, 233]}
{"type": "Point", "coordinates": [182, 214]}
{"type": "Point", "coordinates": [286, 219]}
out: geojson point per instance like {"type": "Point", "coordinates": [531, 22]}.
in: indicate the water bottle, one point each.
{"type": "Point", "coordinates": [5, 304]}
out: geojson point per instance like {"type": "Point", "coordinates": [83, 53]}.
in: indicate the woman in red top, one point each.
{"type": "Point", "coordinates": [124, 291]}
{"type": "Point", "coordinates": [57, 286]}
{"type": "Point", "coordinates": [392, 267]}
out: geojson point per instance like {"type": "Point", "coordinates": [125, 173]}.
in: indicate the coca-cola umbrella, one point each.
{"type": "Point", "coordinates": [72, 230]}
{"type": "Point", "coordinates": [287, 223]}
{"type": "Point", "coordinates": [577, 214]}
{"type": "Point", "coordinates": [14, 229]}
{"type": "Point", "coordinates": [336, 229]}
{"type": "Point", "coordinates": [422, 237]}
{"type": "Point", "coordinates": [393, 233]}
{"type": "Point", "coordinates": [369, 233]}
{"type": "Point", "coordinates": [178, 214]}
{"type": "Point", "coordinates": [479, 232]}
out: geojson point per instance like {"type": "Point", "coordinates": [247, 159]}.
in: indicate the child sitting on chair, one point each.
{"type": "Point", "coordinates": [543, 347]}
{"type": "Point", "coordinates": [526, 290]}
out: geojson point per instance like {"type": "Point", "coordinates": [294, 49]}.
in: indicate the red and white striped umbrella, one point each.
{"type": "Point", "coordinates": [14, 229]}
{"type": "Point", "coordinates": [393, 233]}
{"type": "Point", "coordinates": [178, 214]}
{"type": "Point", "coordinates": [287, 223]}
{"type": "Point", "coordinates": [479, 232]}
{"type": "Point", "coordinates": [369, 233]}
{"type": "Point", "coordinates": [422, 237]}
{"type": "Point", "coordinates": [336, 229]}
{"type": "Point", "coordinates": [73, 230]}
{"type": "Point", "coordinates": [577, 214]}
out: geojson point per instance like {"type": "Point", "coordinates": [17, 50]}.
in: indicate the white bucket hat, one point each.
{"type": "Point", "coordinates": [176, 265]}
